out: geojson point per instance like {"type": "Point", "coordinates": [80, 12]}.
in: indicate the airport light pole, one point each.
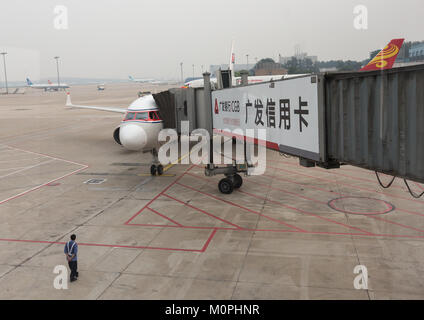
{"type": "Point", "coordinates": [247, 58]}
{"type": "Point", "coordinates": [182, 74]}
{"type": "Point", "coordinates": [5, 73]}
{"type": "Point", "coordinates": [193, 71]}
{"type": "Point", "coordinates": [57, 68]}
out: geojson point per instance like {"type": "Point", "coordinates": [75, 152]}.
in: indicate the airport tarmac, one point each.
{"type": "Point", "coordinates": [293, 233]}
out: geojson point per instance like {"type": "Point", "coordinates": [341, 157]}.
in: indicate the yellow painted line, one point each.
{"type": "Point", "coordinates": [169, 166]}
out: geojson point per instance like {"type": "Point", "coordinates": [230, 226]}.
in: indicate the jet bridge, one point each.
{"type": "Point", "coordinates": [373, 120]}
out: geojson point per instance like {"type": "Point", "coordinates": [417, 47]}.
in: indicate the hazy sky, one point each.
{"type": "Point", "coordinates": [149, 38]}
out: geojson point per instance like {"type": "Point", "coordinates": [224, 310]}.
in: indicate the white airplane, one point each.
{"type": "Point", "coordinates": [237, 80]}
{"type": "Point", "coordinates": [141, 80]}
{"type": "Point", "coordinates": [47, 87]}
{"type": "Point", "coordinates": [139, 128]}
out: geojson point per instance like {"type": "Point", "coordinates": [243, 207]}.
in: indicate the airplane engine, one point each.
{"type": "Point", "coordinates": [116, 136]}
{"type": "Point", "coordinates": [133, 137]}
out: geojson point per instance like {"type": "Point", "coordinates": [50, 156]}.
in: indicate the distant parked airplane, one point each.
{"type": "Point", "coordinates": [140, 80]}
{"type": "Point", "coordinates": [47, 87]}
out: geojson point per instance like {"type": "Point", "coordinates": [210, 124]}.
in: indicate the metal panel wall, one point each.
{"type": "Point", "coordinates": [185, 107]}
{"type": "Point", "coordinates": [375, 120]}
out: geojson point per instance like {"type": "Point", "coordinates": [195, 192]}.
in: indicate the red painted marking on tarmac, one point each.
{"type": "Point", "coordinates": [389, 209]}
{"type": "Point", "coordinates": [157, 196]}
{"type": "Point", "coordinates": [209, 240]}
{"type": "Point", "coordinates": [389, 206]}
{"type": "Point", "coordinates": [349, 185]}
{"type": "Point", "coordinates": [165, 217]}
{"type": "Point", "coordinates": [184, 227]}
{"type": "Point", "coordinates": [352, 177]}
{"type": "Point", "coordinates": [103, 245]}
{"type": "Point", "coordinates": [302, 184]}
{"type": "Point", "coordinates": [419, 186]}
{"type": "Point", "coordinates": [305, 212]}
{"type": "Point", "coordinates": [338, 193]}
{"type": "Point", "coordinates": [296, 209]}
{"type": "Point", "coordinates": [288, 192]}
{"type": "Point", "coordinates": [203, 211]}
{"type": "Point", "coordinates": [396, 223]}
{"type": "Point", "coordinates": [244, 208]}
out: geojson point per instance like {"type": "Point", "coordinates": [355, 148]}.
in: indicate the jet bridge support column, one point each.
{"type": "Point", "coordinates": [244, 78]}
{"type": "Point", "coordinates": [207, 112]}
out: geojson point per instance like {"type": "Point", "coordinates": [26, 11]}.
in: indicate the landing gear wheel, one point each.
{"type": "Point", "coordinates": [153, 170]}
{"type": "Point", "coordinates": [226, 186]}
{"type": "Point", "coordinates": [160, 170]}
{"type": "Point", "coordinates": [238, 181]}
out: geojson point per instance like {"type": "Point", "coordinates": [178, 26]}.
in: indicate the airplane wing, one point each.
{"type": "Point", "coordinates": [100, 108]}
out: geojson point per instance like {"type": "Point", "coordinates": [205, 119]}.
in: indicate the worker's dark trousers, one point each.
{"type": "Point", "coordinates": [73, 265]}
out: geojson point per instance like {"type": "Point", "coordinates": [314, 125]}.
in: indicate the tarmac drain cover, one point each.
{"type": "Point", "coordinates": [361, 205]}
{"type": "Point", "coordinates": [95, 181]}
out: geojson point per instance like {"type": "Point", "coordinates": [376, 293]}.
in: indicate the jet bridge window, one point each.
{"type": "Point", "coordinates": [129, 116]}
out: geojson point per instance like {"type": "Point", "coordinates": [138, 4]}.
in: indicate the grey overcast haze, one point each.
{"type": "Point", "coordinates": [114, 39]}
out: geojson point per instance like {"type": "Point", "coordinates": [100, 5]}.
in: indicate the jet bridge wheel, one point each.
{"type": "Point", "coordinates": [226, 186]}
{"type": "Point", "coordinates": [238, 181]}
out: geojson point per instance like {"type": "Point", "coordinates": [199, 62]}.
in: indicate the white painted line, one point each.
{"type": "Point", "coordinates": [14, 168]}
{"type": "Point", "coordinates": [44, 155]}
{"type": "Point", "coordinates": [42, 185]}
{"type": "Point", "coordinates": [26, 168]}
{"type": "Point", "coordinates": [23, 159]}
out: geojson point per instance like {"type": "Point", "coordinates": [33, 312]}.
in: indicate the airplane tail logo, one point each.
{"type": "Point", "coordinates": [216, 107]}
{"type": "Point", "coordinates": [131, 78]}
{"type": "Point", "coordinates": [29, 82]}
{"type": "Point", "coordinates": [386, 57]}
{"type": "Point", "coordinates": [49, 81]}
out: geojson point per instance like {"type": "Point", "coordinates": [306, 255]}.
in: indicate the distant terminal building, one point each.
{"type": "Point", "coordinates": [268, 67]}
{"type": "Point", "coordinates": [270, 72]}
{"type": "Point", "coordinates": [416, 51]}
{"type": "Point", "coordinates": [237, 67]}
{"type": "Point", "coordinates": [298, 56]}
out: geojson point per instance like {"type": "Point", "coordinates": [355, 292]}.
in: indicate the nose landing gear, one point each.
{"type": "Point", "coordinates": [156, 167]}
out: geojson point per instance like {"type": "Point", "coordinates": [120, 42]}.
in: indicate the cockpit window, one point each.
{"type": "Point", "coordinates": [129, 116]}
{"type": "Point", "coordinates": [141, 116]}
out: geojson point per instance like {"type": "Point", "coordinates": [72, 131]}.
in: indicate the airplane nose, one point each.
{"type": "Point", "coordinates": [133, 137]}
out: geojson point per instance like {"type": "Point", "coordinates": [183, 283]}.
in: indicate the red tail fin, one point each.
{"type": "Point", "coordinates": [386, 57]}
